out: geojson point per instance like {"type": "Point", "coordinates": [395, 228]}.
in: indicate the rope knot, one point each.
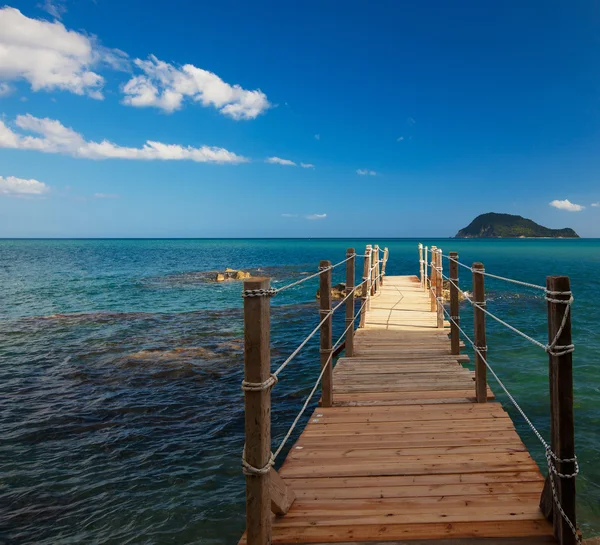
{"type": "Point", "coordinates": [250, 470]}
{"type": "Point", "coordinates": [260, 386]}
{"type": "Point", "coordinates": [271, 292]}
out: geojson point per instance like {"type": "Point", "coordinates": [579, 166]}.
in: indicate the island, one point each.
{"type": "Point", "coordinates": [492, 225]}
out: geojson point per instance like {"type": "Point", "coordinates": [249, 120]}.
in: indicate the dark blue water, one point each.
{"type": "Point", "coordinates": [121, 414]}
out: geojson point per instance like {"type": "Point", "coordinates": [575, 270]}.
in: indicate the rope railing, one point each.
{"type": "Point", "coordinates": [559, 348]}
{"type": "Point", "coordinates": [551, 457]}
{"type": "Point", "coordinates": [257, 457]}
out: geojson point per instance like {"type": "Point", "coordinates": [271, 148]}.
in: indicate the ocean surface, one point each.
{"type": "Point", "coordinates": [121, 414]}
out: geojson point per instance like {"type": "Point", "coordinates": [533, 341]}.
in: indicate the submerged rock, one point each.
{"type": "Point", "coordinates": [337, 292]}
{"type": "Point", "coordinates": [231, 274]}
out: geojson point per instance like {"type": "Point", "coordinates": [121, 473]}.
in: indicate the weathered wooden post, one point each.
{"type": "Point", "coordinates": [350, 301]}
{"type": "Point", "coordinates": [439, 290]}
{"type": "Point", "coordinates": [365, 287]}
{"type": "Point", "coordinates": [325, 299]}
{"type": "Point", "coordinates": [562, 429]}
{"type": "Point", "coordinates": [454, 306]}
{"type": "Point", "coordinates": [386, 254]}
{"type": "Point", "coordinates": [480, 337]}
{"type": "Point", "coordinates": [376, 269]}
{"type": "Point", "coordinates": [257, 407]}
{"type": "Point", "coordinates": [421, 276]}
{"type": "Point", "coordinates": [425, 269]}
{"type": "Point", "coordinates": [432, 279]}
{"type": "Point", "coordinates": [369, 252]}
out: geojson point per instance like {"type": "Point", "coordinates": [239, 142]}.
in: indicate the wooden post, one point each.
{"type": "Point", "coordinates": [439, 290]}
{"type": "Point", "coordinates": [562, 427]}
{"type": "Point", "coordinates": [386, 254]}
{"type": "Point", "coordinates": [369, 252]}
{"type": "Point", "coordinates": [365, 287]}
{"type": "Point", "coordinates": [257, 406]}
{"type": "Point", "coordinates": [479, 328]}
{"type": "Point", "coordinates": [421, 277]}
{"type": "Point", "coordinates": [350, 302]}
{"type": "Point", "coordinates": [325, 299]}
{"type": "Point", "coordinates": [432, 281]}
{"type": "Point", "coordinates": [454, 306]}
{"type": "Point", "coordinates": [375, 269]}
{"type": "Point", "coordinates": [425, 268]}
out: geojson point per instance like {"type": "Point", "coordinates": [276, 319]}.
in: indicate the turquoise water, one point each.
{"type": "Point", "coordinates": [121, 413]}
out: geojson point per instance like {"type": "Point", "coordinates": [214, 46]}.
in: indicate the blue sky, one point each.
{"type": "Point", "coordinates": [142, 119]}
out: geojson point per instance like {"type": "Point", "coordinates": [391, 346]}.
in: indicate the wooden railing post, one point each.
{"type": "Point", "coordinates": [480, 337]}
{"type": "Point", "coordinates": [350, 301]}
{"type": "Point", "coordinates": [375, 269]}
{"type": "Point", "coordinates": [439, 290]}
{"type": "Point", "coordinates": [454, 306]}
{"type": "Point", "coordinates": [369, 252]}
{"type": "Point", "coordinates": [365, 287]}
{"type": "Point", "coordinates": [425, 287]}
{"type": "Point", "coordinates": [325, 299]}
{"type": "Point", "coordinates": [421, 277]}
{"type": "Point", "coordinates": [386, 254]}
{"type": "Point", "coordinates": [432, 281]}
{"type": "Point", "coordinates": [561, 406]}
{"type": "Point", "coordinates": [257, 407]}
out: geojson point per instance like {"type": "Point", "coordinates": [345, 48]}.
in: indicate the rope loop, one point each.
{"type": "Point", "coordinates": [259, 293]}
{"type": "Point", "coordinates": [250, 470]}
{"type": "Point", "coordinates": [260, 386]}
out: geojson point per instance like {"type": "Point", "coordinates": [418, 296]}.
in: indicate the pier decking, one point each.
{"type": "Point", "coordinates": [405, 454]}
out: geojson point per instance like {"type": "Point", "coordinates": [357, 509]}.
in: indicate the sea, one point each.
{"type": "Point", "coordinates": [121, 413]}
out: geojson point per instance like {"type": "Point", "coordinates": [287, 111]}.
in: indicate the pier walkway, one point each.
{"type": "Point", "coordinates": [407, 445]}
{"type": "Point", "coordinates": [406, 452]}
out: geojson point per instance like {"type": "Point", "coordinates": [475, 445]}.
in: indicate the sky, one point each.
{"type": "Point", "coordinates": [296, 119]}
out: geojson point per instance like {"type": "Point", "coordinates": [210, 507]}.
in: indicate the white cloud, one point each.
{"type": "Point", "coordinates": [595, 204]}
{"type": "Point", "coordinates": [56, 138]}
{"type": "Point", "coordinates": [317, 137]}
{"type": "Point", "coordinates": [106, 196]}
{"type": "Point", "coordinates": [307, 165]}
{"type": "Point", "coordinates": [366, 172]}
{"type": "Point", "coordinates": [316, 216]}
{"type": "Point", "coordinates": [56, 8]}
{"type": "Point", "coordinates": [20, 187]}
{"type": "Point", "coordinates": [165, 86]}
{"type": "Point", "coordinates": [48, 55]}
{"type": "Point", "coordinates": [399, 139]}
{"type": "Point", "coordinates": [289, 215]}
{"type": "Point", "coordinates": [410, 121]}
{"type": "Point", "coordinates": [567, 205]}
{"type": "Point", "coordinates": [279, 161]}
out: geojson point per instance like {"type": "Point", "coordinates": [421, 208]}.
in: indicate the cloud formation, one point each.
{"type": "Point", "coordinates": [366, 172]}
{"type": "Point", "coordinates": [49, 56]}
{"type": "Point", "coordinates": [567, 205]}
{"type": "Point", "coordinates": [54, 137]}
{"type": "Point", "coordinates": [306, 217]}
{"type": "Point", "coordinates": [317, 137]}
{"type": "Point", "coordinates": [399, 139]}
{"type": "Point", "coordinates": [165, 86]}
{"type": "Point", "coordinates": [595, 204]}
{"type": "Point", "coordinates": [307, 165]}
{"type": "Point", "coordinates": [56, 8]}
{"type": "Point", "coordinates": [13, 187]}
{"type": "Point", "coordinates": [280, 161]}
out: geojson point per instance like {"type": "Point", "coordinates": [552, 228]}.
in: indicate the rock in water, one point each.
{"type": "Point", "coordinates": [337, 292]}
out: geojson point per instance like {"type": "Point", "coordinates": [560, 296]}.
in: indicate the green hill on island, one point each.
{"type": "Point", "coordinates": [494, 225]}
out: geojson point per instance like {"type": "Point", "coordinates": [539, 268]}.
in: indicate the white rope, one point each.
{"type": "Point", "coordinates": [326, 315]}
{"type": "Point", "coordinates": [320, 272]}
{"type": "Point", "coordinates": [482, 271]}
{"type": "Point", "coordinates": [259, 386]}
{"type": "Point", "coordinates": [307, 401]}
{"type": "Point", "coordinates": [553, 348]}
{"type": "Point", "coordinates": [551, 457]}
{"type": "Point", "coordinates": [248, 469]}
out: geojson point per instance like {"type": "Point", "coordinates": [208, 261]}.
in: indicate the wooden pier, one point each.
{"type": "Point", "coordinates": [403, 449]}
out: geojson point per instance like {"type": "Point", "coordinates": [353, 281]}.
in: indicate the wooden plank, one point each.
{"type": "Point", "coordinates": [405, 454]}
{"type": "Point", "coordinates": [282, 495]}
